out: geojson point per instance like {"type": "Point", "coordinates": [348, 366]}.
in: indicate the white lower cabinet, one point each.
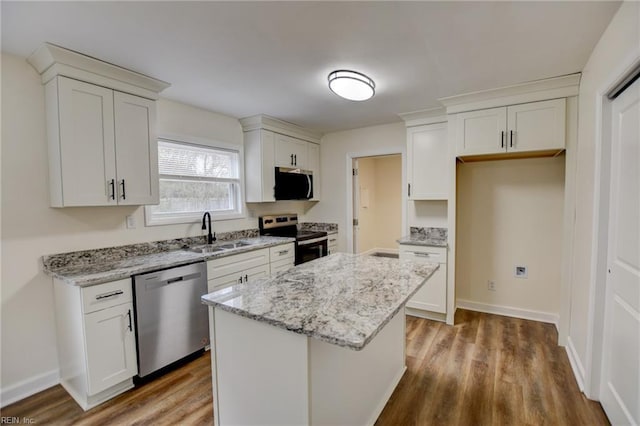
{"type": "Point", "coordinates": [332, 243]}
{"type": "Point", "coordinates": [282, 257]}
{"type": "Point", "coordinates": [96, 340]}
{"type": "Point", "coordinates": [432, 296]}
{"type": "Point", "coordinates": [246, 267]}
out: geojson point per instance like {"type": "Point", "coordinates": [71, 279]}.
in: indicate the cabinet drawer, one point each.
{"type": "Point", "coordinates": [427, 254]}
{"type": "Point", "coordinates": [236, 263]}
{"type": "Point", "coordinates": [237, 277]}
{"type": "Point", "coordinates": [285, 251]}
{"type": "Point", "coordinates": [105, 295]}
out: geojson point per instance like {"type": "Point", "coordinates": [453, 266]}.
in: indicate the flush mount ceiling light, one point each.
{"type": "Point", "coordinates": [351, 85]}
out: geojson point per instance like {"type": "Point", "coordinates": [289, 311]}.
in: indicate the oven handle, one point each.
{"type": "Point", "coordinates": [313, 241]}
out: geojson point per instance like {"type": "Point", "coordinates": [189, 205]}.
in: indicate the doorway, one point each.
{"type": "Point", "coordinates": [377, 188]}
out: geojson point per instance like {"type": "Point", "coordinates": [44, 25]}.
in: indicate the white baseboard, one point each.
{"type": "Point", "coordinates": [425, 314]}
{"type": "Point", "coordinates": [509, 311]}
{"type": "Point", "coordinates": [576, 365]}
{"type": "Point", "coordinates": [28, 387]}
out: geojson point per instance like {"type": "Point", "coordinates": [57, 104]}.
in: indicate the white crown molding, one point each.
{"type": "Point", "coordinates": [51, 61]}
{"type": "Point", "coordinates": [266, 122]}
{"type": "Point", "coordinates": [425, 116]}
{"type": "Point", "coordinates": [550, 88]}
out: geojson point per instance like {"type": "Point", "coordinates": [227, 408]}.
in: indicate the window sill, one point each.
{"type": "Point", "coordinates": [192, 218]}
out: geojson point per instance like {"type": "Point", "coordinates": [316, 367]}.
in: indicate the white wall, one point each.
{"type": "Point", "coordinates": [511, 212]}
{"type": "Point", "coordinates": [617, 48]}
{"type": "Point", "coordinates": [30, 228]}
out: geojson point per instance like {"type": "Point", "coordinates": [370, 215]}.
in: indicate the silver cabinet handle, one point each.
{"type": "Point", "coordinates": [333, 240]}
{"type": "Point", "coordinates": [110, 294]}
{"type": "Point", "coordinates": [420, 254]}
{"type": "Point", "coordinates": [283, 252]}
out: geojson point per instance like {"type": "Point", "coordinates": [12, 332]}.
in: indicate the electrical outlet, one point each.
{"type": "Point", "coordinates": [491, 285]}
{"type": "Point", "coordinates": [520, 271]}
{"type": "Point", "coordinates": [131, 222]}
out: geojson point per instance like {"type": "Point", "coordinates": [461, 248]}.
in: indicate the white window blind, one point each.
{"type": "Point", "coordinates": [195, 179]}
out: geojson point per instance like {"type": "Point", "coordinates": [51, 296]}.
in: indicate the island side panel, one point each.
{"type": "Point", "coordinates": [261, 373]}
{"type": "Point", "coordinates": [352, 387]}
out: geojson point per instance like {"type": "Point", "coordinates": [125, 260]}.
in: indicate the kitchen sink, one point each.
{"type": "Point", "coordinates": [215, 248]}
{"type": "Point", "coordinates": [233, 245]}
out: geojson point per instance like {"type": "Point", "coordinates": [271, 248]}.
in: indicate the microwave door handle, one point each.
{"type": "Point", "coordinates": [309, 191]}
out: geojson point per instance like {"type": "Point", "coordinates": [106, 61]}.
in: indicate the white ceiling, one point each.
{"type": "Point", "coordinates": [247, 58]}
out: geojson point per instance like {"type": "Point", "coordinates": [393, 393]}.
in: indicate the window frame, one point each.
{"type": "Point", "coordinates": [181, 218]}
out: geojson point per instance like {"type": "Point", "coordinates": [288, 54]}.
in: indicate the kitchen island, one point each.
{"type": "Point", "coordinates": [322, 343]}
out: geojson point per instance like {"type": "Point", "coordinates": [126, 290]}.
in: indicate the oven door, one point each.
{"type": "Point", "coordinates": [308, 250]}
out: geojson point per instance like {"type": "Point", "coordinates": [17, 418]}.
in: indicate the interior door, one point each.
{"type": "Point", "coordinates": [620, 382]}
{"type": "Point", "coordinates": [356, 204]}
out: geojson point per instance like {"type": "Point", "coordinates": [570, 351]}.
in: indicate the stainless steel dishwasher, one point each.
{"type": "Point", "coordinates": [171, 321]}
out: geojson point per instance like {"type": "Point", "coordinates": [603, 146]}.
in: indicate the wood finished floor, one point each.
{"type": "Point", "coordinates": [486, 370]}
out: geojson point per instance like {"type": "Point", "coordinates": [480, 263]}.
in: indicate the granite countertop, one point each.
{"type": "Point", "coordinates": [430, 237]}
{"type": "Point", "coordinates": [115, 267]}
{"type": "Point", "coordinates": [343, 299]}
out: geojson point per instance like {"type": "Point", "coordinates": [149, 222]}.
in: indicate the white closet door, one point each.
{"type": "Point", "coordinates": [620, 382]}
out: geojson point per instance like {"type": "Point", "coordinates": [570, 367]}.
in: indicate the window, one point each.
{"type": "Point", "coordinates": [195, 179]}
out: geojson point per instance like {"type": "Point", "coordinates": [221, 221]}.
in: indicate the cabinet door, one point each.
{"type": "Point", "coordinates": [427, 162]}
{"type": "Point", "coordinates": [86, 143]}
{"type": "Point", "coordinates": [313, 164]}
{"type": "Point", "coordinates": [481, 132]}
{"type": "Point", "coordinates": [290, 152]}
{"type": "Point", "coordinates": [111, 347]}
{"type": "Point", "coordinates": [136, 150]}
{"type": "Point", "coordinates": [238, 277]}
{"type": "Point", "coordinates": [432, 296]}
{"type": "Point", "coordinates": [536, 126]}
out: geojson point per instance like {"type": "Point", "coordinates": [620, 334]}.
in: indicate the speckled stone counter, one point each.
{"type": "Point", "coordinates": [343, 299]}
{"type": "Point", "coordinates": [319, 226]}
{"type": "Point", "coordinates": [431, 237]}
{"type": "Point", "coordinates": [90, 267]}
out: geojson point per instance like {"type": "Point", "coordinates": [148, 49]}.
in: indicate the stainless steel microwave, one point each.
{"type": "Point", "coordinates": [293, 184]}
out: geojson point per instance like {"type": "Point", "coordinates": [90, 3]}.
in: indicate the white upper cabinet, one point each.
{"type": "Point", "coordinates": [290, 152]}
{"type": "Point", "coordinates": [537, 126]}
{"type": "Point", "coordinates": [531, 127]}
{"type": "Point", "coordinates": [102, 146]}
{"type": "Point", "coordinates": [313, 164]}
{"type": "Point", "coordinates": [259, 163]}
{"type": "Point", "coordinates": [271, 143]}
{"type": "Point", "coordinates": [100, 130]}
{"type": "Point", "coordinates": [81, 136]}
{"type": "Point", "coordinates": [136, 150]}
{"type": "Point", "coordinates": [427, 162]}
{"type": "Point", "coordinates": [481, 132]}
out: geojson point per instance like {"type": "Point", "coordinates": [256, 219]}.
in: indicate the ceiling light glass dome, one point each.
{"type": "Point", "coordinates": [351, 85]}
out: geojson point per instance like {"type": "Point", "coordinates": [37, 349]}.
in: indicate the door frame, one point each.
{"type": "Point", "coordinates": [600, 231]}
{"type": "Point", "coordinates": [402, 151]}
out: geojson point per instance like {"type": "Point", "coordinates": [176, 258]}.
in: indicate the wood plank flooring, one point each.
{"type": "Point", "coordinates": [486, 370]}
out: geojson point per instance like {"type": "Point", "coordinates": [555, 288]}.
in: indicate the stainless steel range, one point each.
{"type": "Point", "coordinates": [309, 244]}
